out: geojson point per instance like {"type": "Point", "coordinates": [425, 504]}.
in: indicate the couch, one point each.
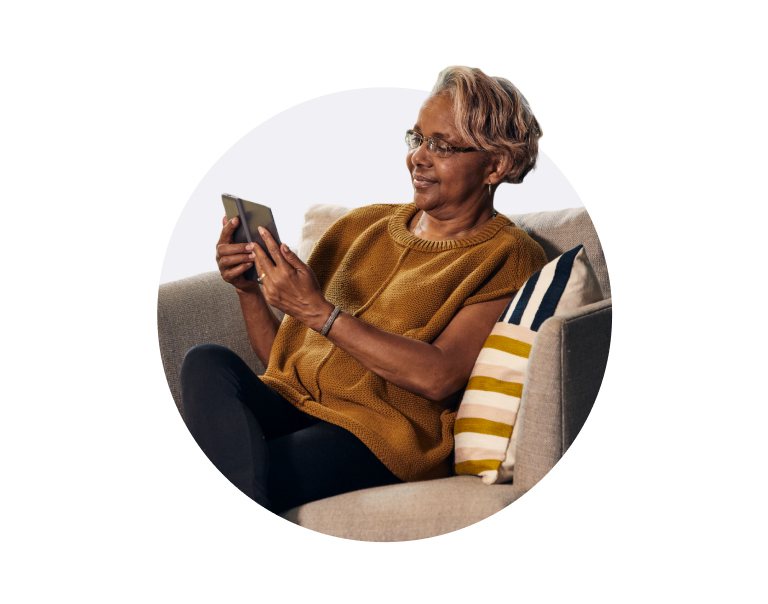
{"type": "Point", "coordinates": [565, 371]}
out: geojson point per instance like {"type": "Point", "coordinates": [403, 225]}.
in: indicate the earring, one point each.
{"type": "Point", "coordinates": [489, 187]}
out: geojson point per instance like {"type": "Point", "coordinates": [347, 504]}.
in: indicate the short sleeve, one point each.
{"type": "Point", "coordinates": [514, 264]}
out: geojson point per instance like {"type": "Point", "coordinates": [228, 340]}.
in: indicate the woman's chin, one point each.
{"type": "Point", "coordinates": [423, 201]}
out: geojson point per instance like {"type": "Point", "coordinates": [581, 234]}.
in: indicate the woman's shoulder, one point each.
{"type": "Point", "coordinates": [524, 252]}
{"type": "Point", "coordinates": [515, 237]}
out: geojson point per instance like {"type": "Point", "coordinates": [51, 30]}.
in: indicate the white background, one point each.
{"type": "Point", "coordinates": [341, 163]}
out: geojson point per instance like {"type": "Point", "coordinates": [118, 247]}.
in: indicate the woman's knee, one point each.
{"type": "Point", "coordinates": [207, 373]}
{"type": "Point", "coordinates": [207, 368]}
{"type": "Point", "coordinates": [206, 356]}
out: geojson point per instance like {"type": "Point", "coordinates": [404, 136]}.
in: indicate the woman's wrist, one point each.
{"type": "Point", "coordinates": [253, 290]}
{"type": "Point", "coordinates": [331, 320]}
{"type": "Point", "coordinates": [320, 316]}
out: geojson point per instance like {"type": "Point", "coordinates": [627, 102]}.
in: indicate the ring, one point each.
{"type": "Point", "coordinates": [262, 275]}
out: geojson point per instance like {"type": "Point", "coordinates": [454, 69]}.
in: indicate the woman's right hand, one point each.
{"type": "Point", "coordinates": [233, 259]}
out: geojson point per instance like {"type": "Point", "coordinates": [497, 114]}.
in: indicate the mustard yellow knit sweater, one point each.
{"type": "Point", "coordinates": [370, 265]}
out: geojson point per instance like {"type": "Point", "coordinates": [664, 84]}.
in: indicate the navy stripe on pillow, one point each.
{"type": "Point", "coordinates": [555, 290]}
{"type": "Point", "coordinates": [530, 285]}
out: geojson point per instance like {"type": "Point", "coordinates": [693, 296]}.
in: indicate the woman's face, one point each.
{"type": "Point", "coordinates": [444, 184]}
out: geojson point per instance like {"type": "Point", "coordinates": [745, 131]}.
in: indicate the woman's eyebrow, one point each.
{"type": "Point", "coordinates": [440, 135]}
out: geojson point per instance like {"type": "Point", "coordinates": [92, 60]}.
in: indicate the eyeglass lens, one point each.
{"type": "Point", "coordinates": [438, 147]}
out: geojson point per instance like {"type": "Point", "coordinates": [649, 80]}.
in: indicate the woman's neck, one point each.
{"type": "Point", "coordinates": [423, 226]}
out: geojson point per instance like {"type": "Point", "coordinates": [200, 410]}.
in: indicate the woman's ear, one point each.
{"type": "Point", "coordinates": [502, 165]}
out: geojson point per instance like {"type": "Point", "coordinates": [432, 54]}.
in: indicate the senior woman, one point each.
{"type": "Point", "coordinates": [383, 323]}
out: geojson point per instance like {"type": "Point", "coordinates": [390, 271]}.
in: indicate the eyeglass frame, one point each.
{"type": "Point", "coordinates": [430, 140]}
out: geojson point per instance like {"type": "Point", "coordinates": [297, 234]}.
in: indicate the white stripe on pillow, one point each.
{"type": "Point", "coordinates": [495, 414]}
{"type": "Point", "coordinates": [513, 331]}
{"type": "Point", "coordinates": [490, 399]}
{"type": "Point", "coordinates": [499, 372]}
{"type": "Point", "coordinates": [492, 356]}
{"type": "Point", "coordinates": [467, 453]}
{"type": "Point", "coordinates": [483, 441]}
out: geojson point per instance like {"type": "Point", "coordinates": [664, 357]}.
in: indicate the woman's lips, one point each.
{"type": "Point", "coordinates": [421, 183]}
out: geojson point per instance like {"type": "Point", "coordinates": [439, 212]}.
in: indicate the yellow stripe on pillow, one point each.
{"type": "Point", "coordinates": [515, 347]}
{"type": "Point", "coordinates": [482, 426]}
{"type": "Point", "coordinates": [472, 453]}
{"type": "Point", "coordinates": [489, 384]}
{"type": "Point", "coordinates": [476, 466]}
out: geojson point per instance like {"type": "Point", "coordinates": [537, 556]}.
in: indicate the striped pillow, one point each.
{"type": "Point", "coordinates": [485, 432]}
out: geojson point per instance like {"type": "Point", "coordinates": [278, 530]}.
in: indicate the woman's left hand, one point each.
{"type": "Point", "coordinates": [290, 284]}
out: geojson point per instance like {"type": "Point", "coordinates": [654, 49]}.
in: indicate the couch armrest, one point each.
{"type": "Point", "coordinates": [565, 370]}
{"type": "Point", "coordinates": [203, 309]}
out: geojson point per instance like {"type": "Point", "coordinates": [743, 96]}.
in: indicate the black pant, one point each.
{"type": "Point", "coordinates": [273, 452]}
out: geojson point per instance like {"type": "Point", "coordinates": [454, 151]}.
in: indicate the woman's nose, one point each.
{"type": "Point", "coordinates": [420, 156]}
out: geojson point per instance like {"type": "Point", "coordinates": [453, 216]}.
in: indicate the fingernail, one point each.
{"type": "Point", "coordinates": [285, 248]}
{"type": "Point", "coordinates": [261, 231]}
{"type": "Point", "coordinates": [252, 255]}
{"type": "Point", "coordinates": [249, 246]}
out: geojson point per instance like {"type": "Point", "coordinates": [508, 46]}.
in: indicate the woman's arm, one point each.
{"type": "Point", "coordinates": [260, 323]}
{"type": "Point", "coordinates": [434, 371]}
{"type": "Point", "coordinates": [233, 259]}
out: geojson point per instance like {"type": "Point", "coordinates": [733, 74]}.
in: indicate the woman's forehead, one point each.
{"type": "Point", "coordinates": [436, 118]}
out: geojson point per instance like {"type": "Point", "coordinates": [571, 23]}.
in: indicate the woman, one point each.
{"type": "Point", "coordinates": [383, 323]}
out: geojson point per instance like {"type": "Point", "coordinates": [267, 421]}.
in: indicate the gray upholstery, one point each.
{"type": "Point", "coordinates": [203, 309]}
{"type": "Point", "coordinates": [562, 230]}
{"type": "Point", "coordinates": [565, 370]}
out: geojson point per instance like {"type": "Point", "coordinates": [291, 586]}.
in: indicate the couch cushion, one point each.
{"type": "Point", "coordinates": [317, 219]}
{"type": "Point", "coordinates": [486, 429]}
{"type": "Point", "coordinates": [403, 512]}
{"type": "Point", "coordinates": [561, 230]}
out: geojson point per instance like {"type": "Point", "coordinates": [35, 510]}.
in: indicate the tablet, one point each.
{"type": "Point", "coordinates": [252, 216]}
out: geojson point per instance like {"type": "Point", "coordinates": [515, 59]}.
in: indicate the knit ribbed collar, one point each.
{"type": "Point", "coordinates": [398, 229]}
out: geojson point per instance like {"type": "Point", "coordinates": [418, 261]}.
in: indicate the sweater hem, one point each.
{"type": "Point", "coordinates": [306, 404]}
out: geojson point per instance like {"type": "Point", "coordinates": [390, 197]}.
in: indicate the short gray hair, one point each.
{"type": "Point", "coordinates": [492, 115]}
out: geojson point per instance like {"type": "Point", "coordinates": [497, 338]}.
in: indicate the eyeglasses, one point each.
{"type": "Point", "coordinates": [434, 145]}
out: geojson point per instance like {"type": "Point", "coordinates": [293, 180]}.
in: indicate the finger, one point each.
{"type": "Point", "coordinates": [227, 261]}
{"type": "Point", "coordinates": [228, 249]}
{"type": "Point", "coordinates": [273, 248]}
{"type": "Point", "coordinates": [262, 260]}
{"type": "Point", "coordinates": [228, 230]}
{"type": "Point", "coordinates": [224, 221]}
{"type": "Point", "coordinates": [236, 271]}
{"type": "Point", "coordinates": [290, 257]}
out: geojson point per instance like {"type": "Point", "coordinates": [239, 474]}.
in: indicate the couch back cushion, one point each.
{"type": "Point", "coordinates": [562, 230]}
{"type": "Point", "coordinates": [557, 232]}
{"type": "Point", "coordinates": [317, 219]}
